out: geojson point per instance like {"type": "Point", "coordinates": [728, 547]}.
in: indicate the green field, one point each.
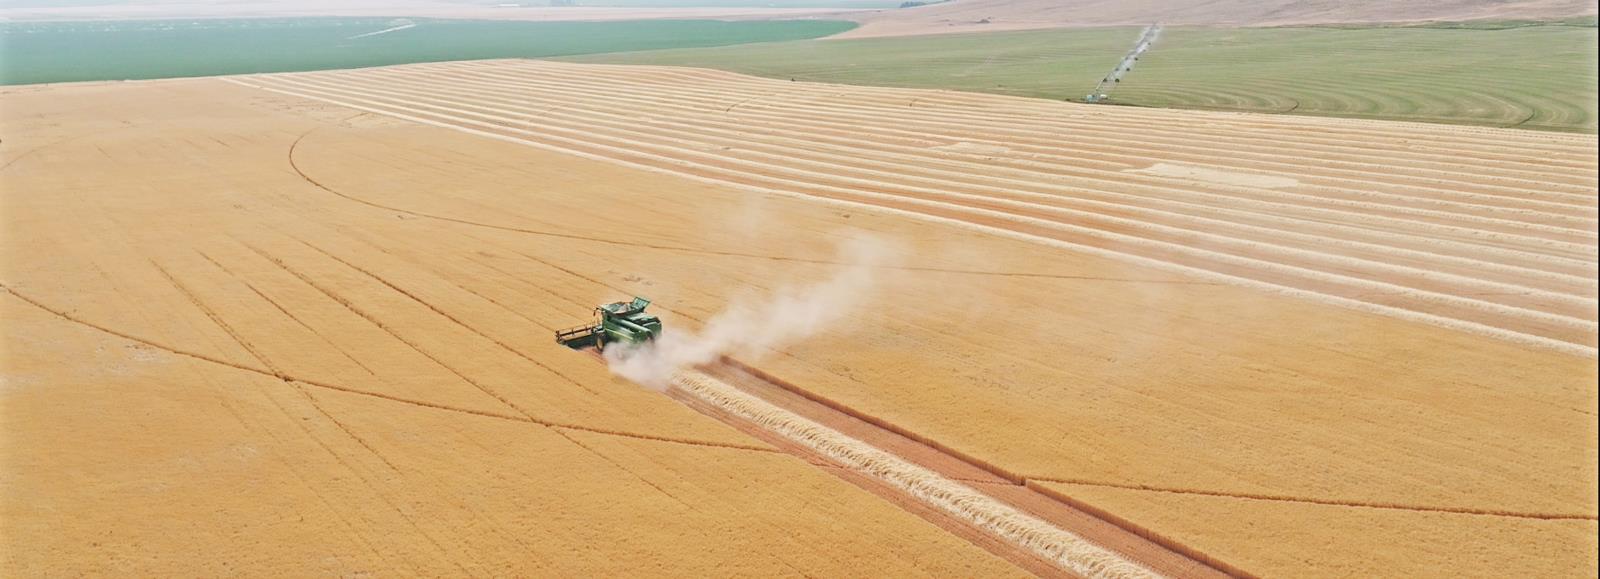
{"type": "Point", "coordinates": [1501, 74]}
{"type": "Point", "coordinates": [75, 51]}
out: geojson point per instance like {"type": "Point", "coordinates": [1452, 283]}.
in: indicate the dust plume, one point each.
{"type": "Point", "coordinates": [750, 328]}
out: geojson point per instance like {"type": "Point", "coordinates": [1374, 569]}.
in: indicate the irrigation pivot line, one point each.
{"type": "Point", "coordinates": [1102, 91]}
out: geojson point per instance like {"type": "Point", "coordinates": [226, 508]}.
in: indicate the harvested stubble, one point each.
{"type": "Point", "coordinates": [1055, 544]}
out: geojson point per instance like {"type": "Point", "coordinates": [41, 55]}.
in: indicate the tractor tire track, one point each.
{"type": "Point", "coordinates": [217, 320]}
{"type": "Point", "coordinates": [1025, 479]}
{"type": "Point", "coordinates": [1326, 501]}
{"type": "Point", "coordinates": [513, 276]}
{"type": "Point", "coordinates": [65, 316]}
{"type": "Point", "coordinates": [267, 361]}
{"type": "Point", "coordinates": [485, 389]}
{"type": "Point", "coordinates": [446, 315]}
{"type": "Point", "coordinates": [296, 385]}
{"type": "Point", "coordinates": [285, 311]}
{"type": "Point", "coordinates": [304, 392]}
{"type": "Point", "coordinates": [631, 472]}
{"type": "Point", "coordinates": [391, 331]}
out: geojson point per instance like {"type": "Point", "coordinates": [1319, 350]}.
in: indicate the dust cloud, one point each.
{"type": "Point", "coordinates": [751, 328]}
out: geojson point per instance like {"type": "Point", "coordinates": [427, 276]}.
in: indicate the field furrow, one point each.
{"type": "Point", "coordinates": [1511, 262]}
{"type": "Point", "coordinates": [595, 98]}
{"type": "Point", "coordinates": [885, 158]}
{"type": "Point", "coordinates": [1185, 133]}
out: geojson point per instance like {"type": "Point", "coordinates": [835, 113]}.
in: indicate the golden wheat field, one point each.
{"type": "Point", "coordinates": [300, 324]}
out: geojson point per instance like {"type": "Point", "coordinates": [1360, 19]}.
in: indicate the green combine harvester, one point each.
{"type": "Point", "coordinates": [620, 322]}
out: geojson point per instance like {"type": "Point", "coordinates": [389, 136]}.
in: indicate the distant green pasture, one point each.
{"type": "Point", "coordinates": [38, 52]}
{"type": "Point", "coordinates": [1487, 73]}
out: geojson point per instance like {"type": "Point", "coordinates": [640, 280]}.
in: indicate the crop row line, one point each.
{"type": "Point", "coordinates": [1228, 261]}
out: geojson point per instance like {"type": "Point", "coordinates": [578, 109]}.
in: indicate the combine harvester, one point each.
{"type": "Point", "coordinates": [623, 322]}
{"type": "Point", "coordinates": [1102, 91]}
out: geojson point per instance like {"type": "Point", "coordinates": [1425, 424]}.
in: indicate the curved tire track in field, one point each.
{"type": "Point", "coordinates": [1329, 502]}
{"type": "Point", "coordinates": [62, 141]}
{"type": "Point", "coordinates": [66, 316]}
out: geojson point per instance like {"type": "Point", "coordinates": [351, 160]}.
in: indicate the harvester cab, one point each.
{"type": "Point", "coordinates": [618, 322]}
